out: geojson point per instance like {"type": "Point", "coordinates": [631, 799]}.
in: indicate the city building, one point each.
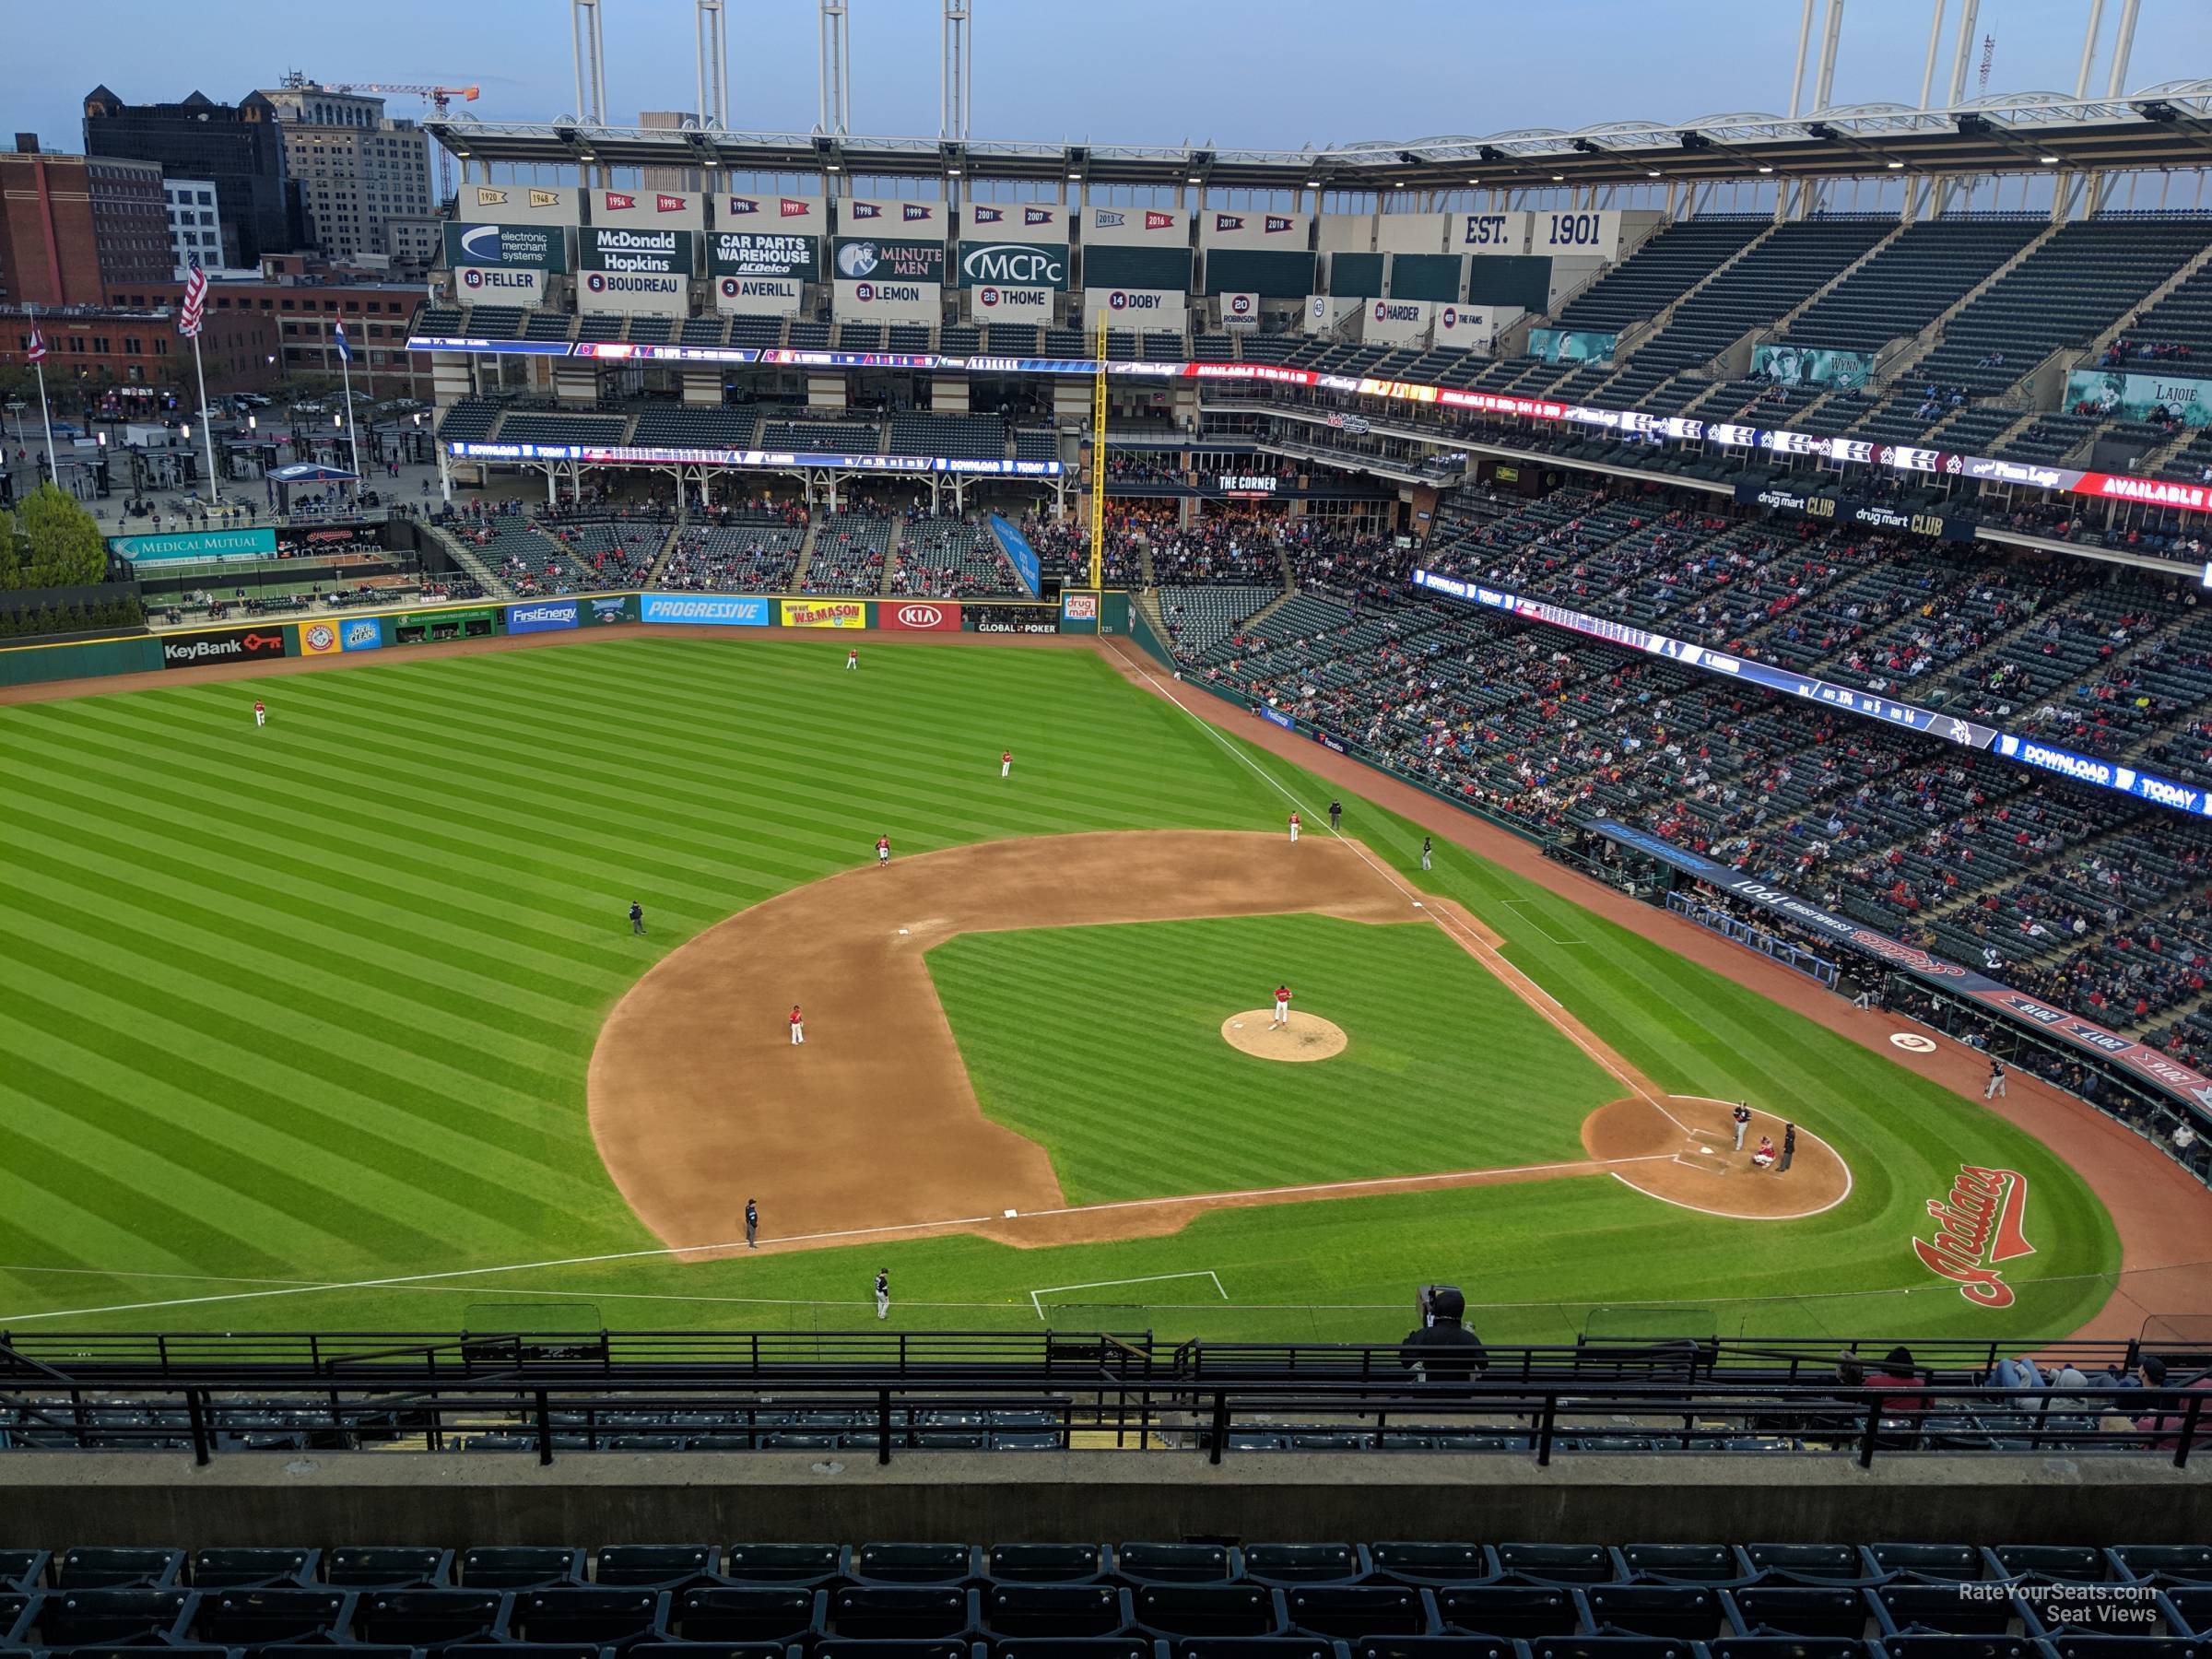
{"type": "Point", "coordinates": [93, 349]}
{"type": "Point", "coordinates": [194, 226]}
{"type": "Point", "coordinates": [72, 228]}
{"type": "Point", "coordinates": [670, 178]}
{"type": "Point", "coordinates": [364, 177]}
{"type": "Point", "coordinates": [237, 148]}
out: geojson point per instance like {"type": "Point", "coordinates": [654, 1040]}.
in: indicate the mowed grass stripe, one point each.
{"type": "Point", "coordinates": [1132, 1089]}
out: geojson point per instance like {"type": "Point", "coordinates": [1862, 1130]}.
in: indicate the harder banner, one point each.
{"type": "Point", "coordinates": [764, 253]}
{"type": "Point", "coordinates": [2132, 396]}
{"type": "Point", "coordinates": [507, 247]}
{"type": "Point", "coordinates": [824, 613]}
{"type": "Point", "coordinates": [1571, 346]}
{"type": "Point", "coordinates": [517, 204]}
{"type": "Point", "coordinates": [1396, 322]}
{"type": "Point", "coordinates": [1013, 264]}
{"type": "Point", "coordinates": [1966, 984]}
{"type": "Point", "coordinates": [1788, 365]}
{"type": "Point", "coordinates": [773, 215]}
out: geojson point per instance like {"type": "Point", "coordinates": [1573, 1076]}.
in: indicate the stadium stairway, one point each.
{"type": "Point", "coordinates": [1634, 339]}
{"type": "Point", "coordinates": [660, 560]}
{"type": "Point", "coordinates": [466, 557]}
{"type": "Point", "coordinates": [890, 555]}
{"type": "Point", "coordinates": [1782, 324]}
{"type": "Point", "coordinates": [798, 570]}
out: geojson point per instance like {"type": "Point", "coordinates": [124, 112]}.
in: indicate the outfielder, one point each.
{"type": "Point", "coordinates": [1294, 829]}
{"type": "Point", "coordinates": [1282, 1008]}
{"type": "Point", "coordinates": [260, 716]}
{"type": "Point", "coordinates": [637, 917]}
{"type": "Point", "coordinates": [883, 851]}
{"type": "Point", "coordinates": [1005, 763]}
{"type": "Point", "coordinates": [798, 1026]}
{"type": "Point", "coordinates": [1994, 1089]}
{"type": "Point", "coordinates": [1427, 851]}
{"type": "Point", "coordinates": [852, 658]}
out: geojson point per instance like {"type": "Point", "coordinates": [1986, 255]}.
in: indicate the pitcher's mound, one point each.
{"type": "Point", "coordinates": [1305, 1038]}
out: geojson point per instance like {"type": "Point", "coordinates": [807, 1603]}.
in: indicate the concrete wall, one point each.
{"type": "Point", "coordinates": [59, 1499]}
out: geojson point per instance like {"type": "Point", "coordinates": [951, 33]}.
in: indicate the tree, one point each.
{"type": "Point", "coordinates": [59, 543]}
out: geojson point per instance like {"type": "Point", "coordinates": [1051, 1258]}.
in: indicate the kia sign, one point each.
{"type": "Point", "coordinates": [707, 610]}
{"type": "Point", "coordinates": [1013, 264]}
{"type": "Point", "coordinates": [507, 247]}
{"type": "Point", "coordinates": [542, 617]}
{"type": "Point", "coordinates": [919, 617]}
{"type": "Point", "coordinates": [197, 650]}
{"type": "Point", "coordinates": [763, 254]}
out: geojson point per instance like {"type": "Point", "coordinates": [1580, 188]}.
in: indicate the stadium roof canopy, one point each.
{"type": "Point", "coordinates": [2168, 126]}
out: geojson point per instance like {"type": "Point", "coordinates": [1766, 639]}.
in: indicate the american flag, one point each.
{"type": "Point", "coordinates": [37, 353]}
{"type": "Point", "coordinates": [195, 300]}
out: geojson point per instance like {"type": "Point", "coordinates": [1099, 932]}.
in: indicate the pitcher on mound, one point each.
{"type": "Point", "coordinates": [1282, 1008]}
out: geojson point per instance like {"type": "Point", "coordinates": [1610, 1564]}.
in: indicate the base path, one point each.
{"type": "Point", "coordinates": [870, 1130]}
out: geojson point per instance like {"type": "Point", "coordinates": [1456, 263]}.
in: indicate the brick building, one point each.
{"type": "Point", "coordinates": [237, 147]}
{"type": "Point", "coordinates": [73, 228]}
{"type": "Point", "coordinates": [92, 348]}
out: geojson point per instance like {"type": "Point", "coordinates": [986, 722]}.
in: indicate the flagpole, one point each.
{"type": "Point", "coordinates": [353, 425]}
{"type": "Point", "coordinates": [207, 415]}
{"type": "Point", "coordinates": [53, 471]}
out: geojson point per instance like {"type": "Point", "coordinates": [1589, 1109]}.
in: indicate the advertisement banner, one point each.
{"type": "Point", "coordinates": [1240, 310]}
{"type": "Point", "coordinates": [1244, 227]}
{"type": "Point", "coordinates": [1571, 346]}
{"type": "Point", "coordinates": [197, 650]}
{"type": "Point", "coordinates": [1965, 983]}
{"type": "Point", "coordinates": [1396, 322]}
{"type": "Point", "coordinates": [1473, 327]}
{"type": "Point", "coordinates": [1079, 610]}
{"type": "Point", "coordinates": [1589, 235]}
{"type": "Point", "coordinates": [542, 615]}
{"type": "Point", "coordinates": [195, 544]}
{"type": "Point", "coordinates": [1136, 226]}
{"type": "Point", "coordinates": [920, 616]}
{"type": "Point", "coordinates": [1843, 510]}
{"type": "Point", "coordinates": [824, 613]}
{"type": "Point", "coordinates": [507, 247]}
{"type": "Point", "coordinates": [2116, 393]}
{"type": "Point", "coordinates": [318, 638]}
{"type": "Point", "coordinates": [1013, 264]}
{"type": "Point", "coordinates": [865, 259]}
{"type": "Point", "coordinates": [1016, 221]}
{"type": "Point", "coordinates": [794, 258]}
{"type": "Point", "coordinates": [481, 285]}
{"type": "Point", "coordinates": [995, 627]}
{"type": "Point", "coordinates": [611, 607]}
{"type": "Point", "coordinates": [1030, 305]}
{"type": "Point", "coordinates": [1136, 308]}
{"type": "Point", "coordinates": [1019, 554]}
{"type": "Point", "coordinates": [1491, 235]}
{"type": "Point", "coordinates": [362, 633]}
{"type": "Point", "coordinates": [759, 296]}
{"type": "Point", "coordinates": [707, 610]}
{"type": "Point", "coordinates": [633, 270]}
{"type": "Point", "coordinates": [653, 209]}
{"type": "Point", "coordinates": [793, 216]}
{"type": "Point", "coordinates": [1788, 365]}
{"type": "Point", "coordinates": [517, 204]}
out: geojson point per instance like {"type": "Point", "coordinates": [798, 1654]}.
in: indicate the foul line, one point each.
{"type": "Point", "coordinates": [1150, 1278]}
{"type": "Point", "coordinates": [1471, 941]}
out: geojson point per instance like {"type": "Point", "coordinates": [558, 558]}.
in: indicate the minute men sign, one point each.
{"type": "Point", "coordinates": [1013, 264]}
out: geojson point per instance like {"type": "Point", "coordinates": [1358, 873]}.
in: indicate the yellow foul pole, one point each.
{"type": "Point", "coordinates": [1098, 462]}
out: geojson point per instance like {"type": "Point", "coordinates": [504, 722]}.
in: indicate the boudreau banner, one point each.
{"type": "Point", "coordinates": [1966, 984]}
{"type": "Point", "coordinates": [633, 270]}
{"type": "Point", "coordinates": [1809, 365]}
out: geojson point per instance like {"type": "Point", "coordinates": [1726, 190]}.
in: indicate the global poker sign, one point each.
{"type": "Point", "coordinates": [1979, 1225]}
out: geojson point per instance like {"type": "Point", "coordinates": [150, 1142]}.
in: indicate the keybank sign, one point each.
{"type": "Point", "coordinates": [1013, 264]}
{"type": "Point", "coordinates": [706, 610]}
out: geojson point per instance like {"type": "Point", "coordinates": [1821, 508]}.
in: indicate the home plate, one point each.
{"type": "Point", "coordinates": [1706, 1150]}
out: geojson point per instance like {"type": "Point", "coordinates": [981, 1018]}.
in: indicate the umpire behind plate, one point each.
{"type": "Point", "coordinates": [1441, 1348]}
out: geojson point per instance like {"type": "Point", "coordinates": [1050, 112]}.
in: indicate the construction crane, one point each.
{"type": "Point", "coordinates": [1989, 56]}
{"type": "Point", "coordinates": [439, 97]}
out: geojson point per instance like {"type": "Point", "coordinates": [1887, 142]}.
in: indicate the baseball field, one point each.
{"type": "Point", "coordinates": [342, 1023]}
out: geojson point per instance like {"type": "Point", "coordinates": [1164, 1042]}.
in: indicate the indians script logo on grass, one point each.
{"type": "Point", "coordinates": [1979, 1226]}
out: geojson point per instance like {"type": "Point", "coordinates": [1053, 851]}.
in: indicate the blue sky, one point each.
{"type": "Point", "coordinates": [1276, 75]}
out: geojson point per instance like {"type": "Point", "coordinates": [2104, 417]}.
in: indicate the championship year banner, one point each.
{"type": "Point", "coordinates": [793, 257]}
{"type": "Point", "coordinates": [790, 216]}
{"type": "Point", "coordinates": [656, 209]}
{"type": "Point", "coordinates": [1219, 227]}
{"type": "Point", "coordinates": [1136, 226]}
{"type": "Point", "coordinates": [1016, 221]}
{"type": "Point", "coordinates": [517, 204]}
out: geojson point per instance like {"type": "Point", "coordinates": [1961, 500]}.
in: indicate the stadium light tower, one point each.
{"type": "Point", "coordinates": [953, 74]}
{"type": "Point", "coordinates": [713, 67]}
{"type": "Point", "coordinates": [2123, 47]}
{"type": "Point", "coordinates": [589, 50]}
{"type": "Point", "coordinates": [837, 80]}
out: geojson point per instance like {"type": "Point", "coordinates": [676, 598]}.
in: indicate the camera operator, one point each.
{"type": "Point", "coordinates": [1442, 1348]}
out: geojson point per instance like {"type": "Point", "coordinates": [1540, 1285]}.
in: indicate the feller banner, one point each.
{"type": "Point", "coordinates": [1809, 365]}
{"type": "Point", "coordinates": [1571, 346]}
{"type": "Point", "coordinates": [2110, 392]}
{"type": "Point", "coordinates": [824, 613]}
{"type": "Point", "coordinates": [480, 285]}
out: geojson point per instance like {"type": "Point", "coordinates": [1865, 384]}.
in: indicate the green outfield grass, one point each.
{"type": "Point", "coordinates": [312, 1006]}
{"type": "Point", "coordinates": [1446, 1069]}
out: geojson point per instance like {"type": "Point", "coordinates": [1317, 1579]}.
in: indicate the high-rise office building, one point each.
{"type": "Point", "coordinates": [237, 147]}
{"type": "Point", "coordinates": [364, 177]}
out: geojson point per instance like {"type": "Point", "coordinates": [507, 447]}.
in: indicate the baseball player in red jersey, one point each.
{"type": "Point", "coordinates": [1282, 1008]}
{"type": "Point", "coordinates": [853, 656]}
{"type": "Point", "coordinates": [883, 851]}
{"type": "Point", "coordinates": [260, 716]}
{"type": "Point", "coordinates": [1294, 829]}
{"type": "Point", "coordinates": [1005, 763]}
{"type": "Point", "coordinates": [798, 1026]}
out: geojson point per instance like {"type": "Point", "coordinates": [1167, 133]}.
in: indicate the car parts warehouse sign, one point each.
{"type": "Point", "coordinates": [764, 253]}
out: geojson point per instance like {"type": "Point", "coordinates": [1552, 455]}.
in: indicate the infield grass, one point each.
{"type": "Point", "coordinates": [290, 1010]}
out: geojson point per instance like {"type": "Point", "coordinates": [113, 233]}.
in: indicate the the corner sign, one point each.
{"type": "Point", "coordinates": [1979, 1225]}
